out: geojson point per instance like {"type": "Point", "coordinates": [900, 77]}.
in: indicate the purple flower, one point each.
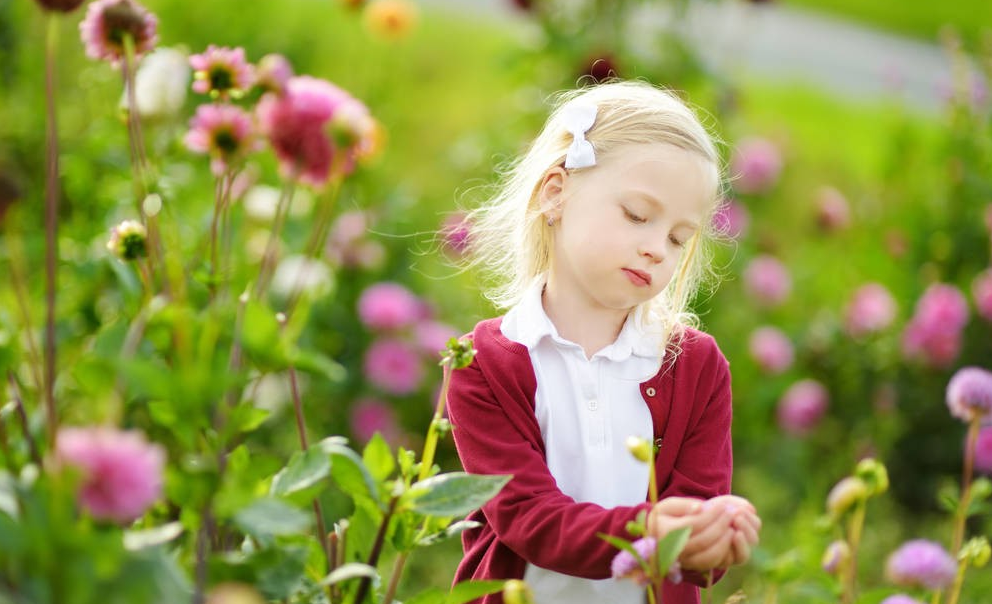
{"type": "Point", "coordinates": [969, 393]}
{"type": "Point", "coordinates": [832, 210]}
{"type": "Point", "coordinates": [455, 231]}
{"type": "Point", "coordinates": [106, 24]}
{"type": "Point", "coordinates": [626, 566]}
{"type": "Point", "coordinates": [731, 219]}
{"type": "Point", "coordinates": [370, 416]}
{"type": "Point", "coordinates": [222, 72]}
{"type": "Point", "coordinates": [755, 165]}
{"type": "Point", "coordinates": [767, 280]}
{"type": "Point", "coordinates": [871, 310]}
{"type": "Point", "coordinates": [981, 291]}
{"type": "Point", "coordinates": [802, 406]}
{"type": "Point", "coordinates": [933, 334]}
{"type": "Point", "coordinates": [900, 599]}
{"type": "Point", "coordinates": [393, 366]}
{"type": "Point", "coordinates": [224, 132]}
{"type": "Point", "coordinates": [122, 472]}
{"type": "Point", "coordinates": [983, 451]}
{"type": "Point", "coordinates": [388, 306]}
{"type": "Point", "coordinates": [921, 563]}
{"type": "Point", "coordinates": [432, 337]}
{"type": "Point", "coordinates": [771, 349]}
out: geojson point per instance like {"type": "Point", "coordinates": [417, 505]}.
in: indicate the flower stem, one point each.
{"type": "Point", "coordinates": [268, 258]}
{"type": "Point", "coordinates": [380, 538]}
{"type": "Point", "coordinates": [651, 596]}
{"type": "Point", "coordinates": [854, 528]}
{"type": "Point", "coordinates": [961, 517]}
{"type": "Point", "coordinates": [22, 416]}
{"type": "Point", "coordinates": [958, 581]}
{"type": "Point", "coordinates": [52, 194]}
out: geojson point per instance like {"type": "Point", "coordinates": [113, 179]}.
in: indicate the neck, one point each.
{"type": "Point", "coordinates": [577, 321]}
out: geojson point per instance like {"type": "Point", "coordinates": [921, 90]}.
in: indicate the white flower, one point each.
{"type": "Point", "coordinates": [261, 202]}
{"type": "Point", "coordinates": [299, 274]}
{"type": "Point", "coordinates": [160, 84]}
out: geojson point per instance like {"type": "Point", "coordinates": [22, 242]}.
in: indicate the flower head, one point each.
{"type": "Point", "coordinates": [731, 219]}
{"type": "Point", "coordinates": [933, 334]}
{"type": "Point", "coordinates": [393, 366]}
{"type": "Point", "coordinates": [128, 240]}
{"type": "Point", "coordinates": [160, 84]}
{"type": "Point", "coordinates": [388, 306]}
{"type": "Point", "coordinates": [836, 558]}
{"type": "Point", "coordinates": [921, 563]}
{"type": "Point", "coordinates": [455, 231]}
{"type": "Point", "coordinates": [872, 309]}
{"type": "Point", "coordinates": [900, 599]}
{"type": "Point", "coordinates": [233, 593]}
{"type": "Point", "coordinates": [626, 566]}
{"type": "Point", "coordinates": [802, 406]}
{"type": "Point", "coordinates": [225, 132]}
{"type": "Point", "coordinates": [969, 393]}
{"type": "Point", "coordinates": [771, 349]}
{"type": "Point", "coordinates": [122, 472]}
{"type": "Point", "coordinates": [767, 280]}
{"type": "Point", "coordinates": [370, 416]}
{"type": "Point", "coordinates": [432, 337]}
{"type": "Point", "coordinates": [846, 493]}
{"type": "Point", "coordinates": [273, 73]}
{"type": "Point", "coordinates": [981, 291]}
{"type": "Point", "coordinates": [756, 164]}
{"type": "Point", "coordinates": [222, 72]}
{"type": "Point", "coordinates": [390, 19]}
{"type": "Point", "coordinates": [299, 274]}
{"type": "Point", "coordinates": [516, 591]}
{"type": "Point", "coordinates": [832, 210]}
{"type": "Point", "coordinates": [640, 448]}
{"type": "Point", "coordinates": [108, 22]}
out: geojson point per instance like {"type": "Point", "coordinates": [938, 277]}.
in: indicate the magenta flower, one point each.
{"type": "Point", "coordinates": [900, 599]}
{"type": "Point", "coordinates": [872, 309]}
{"type": "Point", "coordinates": [983, 451]}
{"type": "Point", "coordinates": [771, 349]}
{"type": "Point", "coordinates": [921, 563]}
{"type": "Point", "coordinates": [370, 416]}
{"type": "Point", "coordinates": [121, 471]}
{"type": "Point", "coordinates": [297, 123]}
{"type": "Point", "coordinates": [767, 280]}
{"type": "Point", "coordinates": [731, 219]}
{"type": "Point", "coordinates": [224, 132]}
{"type": "Point", "coordinates": [455, 231]}
{"type": "Point", "coordinates": [108, 22]}
{"type": "Point", "coordinates": [802, 407]}
{"type": "Point", "coordinates": [981, 292]}
{"type": "Point", "coordinates": [388, 306]}
{"type": "Point", "coordinates": [432, 337]}
{"type": "Point", "coordinates": [393, 366]}
{"type": "Point", "coordinates": [933, 334]}
{"type": "Point", "coordinates": [832, 210]}
{"type": "Point", "coordinates": [626, 566]}
{"type": "Point", "coordinates": [222, 72]}
{"type": "Point", "coordinates": [755, 165]}
{"type": "Point", "coordinates": [273, 73]}
{"type": "Point", "coordinates": [969, 393]}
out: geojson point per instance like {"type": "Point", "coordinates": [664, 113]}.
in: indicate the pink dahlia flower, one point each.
{"type": "Point", "coordinates": [432, 337]}
{"type": "Point", "coordinates": [121, 471]}
{"type": "Point", "coordinates": [771, 349]}
{"type": "Point", "coordinates": [108, 22]}
{"type": "Point", "coordinates": [731, 219]}
{"type": "Point", "coordinates": [981, 292]}
{"type": "Point", "coordinates": [802, 407]}
{"type": "Point", "coordinates": [273, 73]}
{"type": "Point", "coordinates": [767, 280]}
{"type": "Point", "coordinates": [370, 416]}
{"type": "Point", "coordinates": [872, 309]}
{"type": "Point", "coordinates": [222, 72]}
{"type": "Point", "coordinates": [225, 132]}
{"type": "Point", "coordinates": [933, 334]}
{"type": "Point", "coordinates": [921, 563]}
{"type": "Point", "coordinates": [393, 366]}
{"type": "Point", "coordinates": [388, 306]}
{"type": "Point", "coordinates": [983, 451]}
{"type": "Point", "coordinates": [832, 210]}
{"type": "Point", "coordinates": [969, 393]}
{"type": "Point", "coordinates": [755, 165]}
{"type": "Point", "coordinates": [626, 566]}
{"type": "Point", "coordinates": [455, 231]}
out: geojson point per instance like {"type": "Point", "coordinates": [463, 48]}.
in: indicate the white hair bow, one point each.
{"type": "Point", "coordinates": [578, 119]}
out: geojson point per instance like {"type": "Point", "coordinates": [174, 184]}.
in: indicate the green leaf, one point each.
{"type": "Point", "coordinates": [146, 378]}
{"type": "Point", "coordinates": [378, 458]}
{"type": "Point", "coordinates": [453, 494]}
{"type": "Point", "coordinates": [269, 517]}
{"type": "Point", "coordinates": [470, 590]}
{"type": "Point", "coordinates": [670, 547]}
{"type": "Point", "coordinates": [305, 469]}
{"type": "Point", "coordinates": [434, 595]}
{"type": "Point", "coordinates": [260, 335]}
{"type": "Point", "coordinates": [246, 418]}
{"type": "Point", "coordinates": [453, 530]}
{"type": "Point", "coordinates": [349, 571]}
{"type": "Point", "coordinates": [318, 364]}
{"type": "Point", "coordinates": [135, 540]}
{"type": "Point", "coordinates": [349, 471]}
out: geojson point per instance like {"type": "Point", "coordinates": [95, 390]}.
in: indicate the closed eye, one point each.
{"type": "Point", "coordinates": [676, 241]}
{"type": "Point", "coordinates": [633, 217]}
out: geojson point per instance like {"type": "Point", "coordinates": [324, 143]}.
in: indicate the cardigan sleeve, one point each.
{"type": "Point", "coordinates": [530, 515]}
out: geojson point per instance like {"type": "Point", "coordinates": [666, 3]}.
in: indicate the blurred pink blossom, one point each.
{"type": "Point", "coordinates": [432, 337]}
{"type": "Point", "coordinates": [369, 416]}
{"type": "Point", "coordinates": [832, 210]}
{"type": "Point", "coordinates": [767, 280]}
{"type": "Point", "coordinates": [121, 471]}
{"type": "Point", "coordinates": [626, 566]}
{"type": "Point", "coordinates": [921, 563]}
{"type": "Point", "coordinates": [393, 366]}
{"type": "Point", "coordinates": [106, 24]}
{"type": "Point", "coordinates": [872, 309]}
{"type": "Point", "coordinates": [224, 132]}
{"type": "Point", "coordinates": [388, 306]}
{"type": "Point", "coordinates": [900, 599]}
{"type": "Point", "coordinates": [969, 393]}
{"type": "Point", "coordinates": [802, 407]}
{"type": "Point", "coordinates": [222, 72]}
{"type": "Point", "coordinates": [983, 451]}
{"type": "Point", "coordinates": [455, 231]}
{"type": "Point", "coordinates": [273, 73]}
{"type": "Point", "coordinates": [755, 165]}
{"type": "Point", "coordinates": [933, 334]}
{"type": "Point", "coordinates": [981, 291]}
{"type": "Point", "coordinates": [771, 349]}
{"type": "Point", "coordinates": [731, 219]}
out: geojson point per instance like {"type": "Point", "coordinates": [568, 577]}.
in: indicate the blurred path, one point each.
{"type": "Point", "coordinates": [782, 43]}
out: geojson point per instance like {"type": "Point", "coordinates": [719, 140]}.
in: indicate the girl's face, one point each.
{"type": "Point", "coordinates": [621, 225]}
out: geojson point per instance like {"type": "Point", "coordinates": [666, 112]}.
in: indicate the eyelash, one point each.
{"type": "Point", "coordinates": [640, 220]}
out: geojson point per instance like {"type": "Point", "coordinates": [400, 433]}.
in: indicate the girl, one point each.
{"type": "Point", "coordinates": [596, 241]}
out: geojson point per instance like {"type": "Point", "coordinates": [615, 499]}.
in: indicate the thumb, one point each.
{"type": "Point", "coordinates": [677, 506]}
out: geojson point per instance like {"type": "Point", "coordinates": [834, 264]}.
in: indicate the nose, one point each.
{"type": "Point", "coordinates": [652, 249]}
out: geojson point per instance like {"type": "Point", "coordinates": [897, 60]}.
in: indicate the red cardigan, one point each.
{"type": "Point", "coordinates": [491, 407]}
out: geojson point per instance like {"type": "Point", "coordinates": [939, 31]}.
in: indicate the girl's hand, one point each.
{"type": "Point", "coordinates": [746, 525]}
{"type": "Point", "coordinates": [710, 541]}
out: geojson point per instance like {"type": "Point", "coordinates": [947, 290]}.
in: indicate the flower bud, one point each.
{"type": "Point", "coordinates": [128, 240]}
{"type": "Point", "coordinates": [976, 552]}
{"type": "Point", "coordinates": [874, 475]}
{"type": "Point", "coordinates": [845, 495]}
{"type": "Point", "coordinates": [836, 558]}
{"type": "Point", "coordinates": [516, 591]}
{"type": "Point", "coordinates": [233, 593]}
{"type": "Point", "coordinates": [640, 448]}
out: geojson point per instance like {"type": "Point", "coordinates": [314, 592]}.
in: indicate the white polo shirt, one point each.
{"type": "Point", "coordinates": [586, 408]}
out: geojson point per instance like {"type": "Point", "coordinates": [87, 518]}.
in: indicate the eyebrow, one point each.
{"type": "Point", "coordinates": [657, 202]}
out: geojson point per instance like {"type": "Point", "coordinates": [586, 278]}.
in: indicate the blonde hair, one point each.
{"type": "Point", "coordinates": [510, 239]}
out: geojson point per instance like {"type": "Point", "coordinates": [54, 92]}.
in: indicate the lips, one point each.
{"type": "Point", "coordinates": [638, 278]}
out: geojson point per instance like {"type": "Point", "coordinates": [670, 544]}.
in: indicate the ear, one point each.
{"type": "Point", "coordinates": [550, 192]}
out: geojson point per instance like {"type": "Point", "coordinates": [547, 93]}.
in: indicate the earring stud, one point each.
{"type": "Point", "coordinates": [551, 221]}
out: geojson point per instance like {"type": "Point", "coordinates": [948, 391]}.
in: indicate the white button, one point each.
{"type": "Point", "coordinates": [593, 405]}
{"type": "Point", "coordinates": [650, 391]}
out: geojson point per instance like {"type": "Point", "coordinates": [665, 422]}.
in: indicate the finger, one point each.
{"type": "Point", "coordinates": [710, 556]}
{"type": "Point", "coordinates": [677, 506]}
{"type": "Point", "coordinates": [741, 548]}
{"type": "Point", "coordinates": [749, 533]}
{"type": "Point", "coordinates": [703, 537]}
{"type": "Point", "coordinates": [750, 525]}
{"type": "Point", "coordinates": [735, 500]}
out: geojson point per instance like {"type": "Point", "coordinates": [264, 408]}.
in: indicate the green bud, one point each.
{"type": "Point", "coordinates": [516, 591]}
{"type": "Point", "coordinates": [976, 552]}
{"type": "Point", "coordinates": [442, 426]}
{"type": "Point", "coordinates": [459, 353]}
{"type": "Point", "coordinates": [640, 448]}
{"type": "Point", "coordinates": [836, 558]}
{"type": "Point", "coordinates": [845, 494]}
{"type": "Point", "coordinates": [874, 474]}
